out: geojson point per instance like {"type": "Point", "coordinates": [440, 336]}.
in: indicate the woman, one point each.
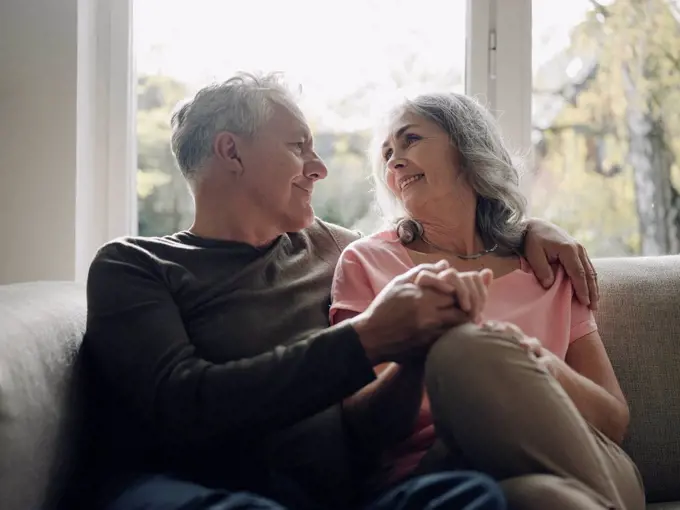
{"type": "Point", "coordinates": [526, 386]}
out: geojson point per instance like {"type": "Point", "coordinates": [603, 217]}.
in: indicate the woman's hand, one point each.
{"type": "Point", "coordinates": [545, 244]}
{"type": "Point", "coordinates": [410, 313]}
{"type": "Point", "coordinates": [552, 364]}
{"type": "Point", "coordinates": [470, 288]}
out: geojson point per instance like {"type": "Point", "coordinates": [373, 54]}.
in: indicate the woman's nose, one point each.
{"type": "Point", "coordinates": [396, 164]}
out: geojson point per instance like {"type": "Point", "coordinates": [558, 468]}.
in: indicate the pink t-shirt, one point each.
{"type": "Point", "coordinates": [553, 315]}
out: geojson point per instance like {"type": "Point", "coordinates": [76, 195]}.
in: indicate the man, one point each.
{"type": "Point", "coordinates": [215, 373]}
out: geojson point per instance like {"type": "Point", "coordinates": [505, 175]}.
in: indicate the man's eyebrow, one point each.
{"type": "Point", "coordinates": [303, 132]}
{"type": "Point", "coordinates": [400, 132]}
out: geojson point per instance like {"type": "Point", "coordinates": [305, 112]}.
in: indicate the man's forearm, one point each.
{"type": "Point", "coordinates": [385, 411]}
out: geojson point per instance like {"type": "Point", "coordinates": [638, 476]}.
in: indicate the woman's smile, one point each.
{"type": "Point", "coordinates": [407, 180]}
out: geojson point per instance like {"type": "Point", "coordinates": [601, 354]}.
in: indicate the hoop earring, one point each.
{"type": "Point", "coordinates": [408, 230]}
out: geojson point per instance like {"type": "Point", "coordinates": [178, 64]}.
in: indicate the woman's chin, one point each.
{"type": "Point", "coordinates": [413, 202]}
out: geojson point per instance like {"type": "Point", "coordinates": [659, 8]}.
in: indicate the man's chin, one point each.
{"type": "Point", "coordinates": [300, 221]}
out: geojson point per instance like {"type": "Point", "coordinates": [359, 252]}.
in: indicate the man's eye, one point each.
{"type": "Point", "coordinates": [387, 154]}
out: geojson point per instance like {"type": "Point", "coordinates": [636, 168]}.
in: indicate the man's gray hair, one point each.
{"type": "Point", "coordinates": [240, 105]}
{"type": "Point", "coordinates": [485, 163]}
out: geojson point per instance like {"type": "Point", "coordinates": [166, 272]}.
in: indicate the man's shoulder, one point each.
{"type": "Point", "coordinates": [341, 236]}
{"type": "Point", "coordinates": [130, 248]}
{"type": "Point", "coordinates": [376, 241]}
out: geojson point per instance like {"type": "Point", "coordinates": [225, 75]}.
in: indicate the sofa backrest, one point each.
{"type": "Point", "coordinates": [41, 327]}
{"type": "Point", "coordinates": [639, 321]}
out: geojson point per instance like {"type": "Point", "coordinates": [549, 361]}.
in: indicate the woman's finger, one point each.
{"type": "Point", "coordinates": [487, 276]}
{"type": "Point", "coordinates": [462, 293]}
{"type": "Point", "coordinates": [482, 293]}
{"type": "Point", "coordinates": [429, 280]}
{"type": "Point", "coordinates": [531, 345]}
{"type": "Point", "coordinates": [508, 329]}
{"type": "Point", "coordinates": [411, 275]}
{"type": "Point", "coordinates": [448, 274]}
{"type": "Point", "coordinates": [475, 296]}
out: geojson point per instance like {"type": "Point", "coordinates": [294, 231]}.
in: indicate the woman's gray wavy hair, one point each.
{"type": "Point", "coordinates": [485, 163]}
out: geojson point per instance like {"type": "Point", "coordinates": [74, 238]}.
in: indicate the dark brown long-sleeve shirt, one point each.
{"type": "Point", "coordinates": [213, 360]}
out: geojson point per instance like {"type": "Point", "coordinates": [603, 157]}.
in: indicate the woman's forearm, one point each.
{"type": "Point", "coordinates": [385, 411]}
{"type": "Point", "coordinates": [598, 407]}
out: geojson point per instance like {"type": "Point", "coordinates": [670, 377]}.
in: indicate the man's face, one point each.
{"type": "Point", "coordinates": [280, 169]}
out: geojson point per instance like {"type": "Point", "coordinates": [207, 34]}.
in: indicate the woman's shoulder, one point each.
{"type": "Point", "coordinates": [375, 242]}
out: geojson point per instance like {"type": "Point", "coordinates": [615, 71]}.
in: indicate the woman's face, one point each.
{"type": "Point", "coordinates": [422, 166]}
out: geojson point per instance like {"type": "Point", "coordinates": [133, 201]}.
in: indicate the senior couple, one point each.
{"type": "Point", "coordinates": [265, 359]}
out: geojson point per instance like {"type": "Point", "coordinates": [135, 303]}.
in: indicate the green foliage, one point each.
{"type": "Point", "coordinates": [164, 203]}
{"type": "Point", "coordinates": [585, 179]}
{"type": "Point", "coordinates": [585, 171]}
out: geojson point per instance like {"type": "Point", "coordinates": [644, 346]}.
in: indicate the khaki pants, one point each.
{"type": "Point", "coordinates": [497, 412]}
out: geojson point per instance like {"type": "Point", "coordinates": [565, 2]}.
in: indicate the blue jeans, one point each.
{"type": "Point", "coordinates": [459, 490]}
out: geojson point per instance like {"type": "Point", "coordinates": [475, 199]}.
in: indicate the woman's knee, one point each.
{"type": "Point", "coordinates": [470, 351]}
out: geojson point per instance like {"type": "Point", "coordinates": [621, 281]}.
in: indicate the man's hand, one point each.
{"type": "Point", "coordinates": [410, 313]}
{"type": "Point", "coordinates": [545, 244]}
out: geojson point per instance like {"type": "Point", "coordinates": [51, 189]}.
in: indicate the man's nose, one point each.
{"type": "Point", "coordinates": [315, 169]}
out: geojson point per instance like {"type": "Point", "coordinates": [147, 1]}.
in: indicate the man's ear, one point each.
{"type": "Point", "coordinates": [226, 149]}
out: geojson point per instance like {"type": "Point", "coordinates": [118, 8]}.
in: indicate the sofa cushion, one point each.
{"type": "Point", "coordinates": [639, 321]}
{"type": "Point", "coordinates": [41, 328]}
{"type": "Point", "coordinates": [664, 506]}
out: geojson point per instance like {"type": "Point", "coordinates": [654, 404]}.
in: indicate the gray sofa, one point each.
{"type": "Point", "coordinates": [41, 326]}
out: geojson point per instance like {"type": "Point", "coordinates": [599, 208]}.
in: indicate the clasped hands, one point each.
{"type": "Point", "coordinates": [416, 308]}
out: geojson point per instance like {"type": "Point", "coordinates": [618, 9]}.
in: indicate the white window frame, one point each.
{"type": "Point", "coordinates": [106, 196]}
{"type": "Point", "coordinates": [498, 70]}
{"type": "Point", "coordinates": [498, 64]}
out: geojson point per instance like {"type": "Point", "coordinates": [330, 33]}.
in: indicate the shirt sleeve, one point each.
{"type": "Point", "coordinates": [582, 320]}
{"type": "Point", "coordinates": [138, 343]}
{"type": "Point", "coordinates": [352, 289]}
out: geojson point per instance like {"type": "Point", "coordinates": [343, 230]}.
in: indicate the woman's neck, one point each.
{"type": "Point", "coordinates": [458, 239]}
{"type": "Point", "coordinates": [454, 231]}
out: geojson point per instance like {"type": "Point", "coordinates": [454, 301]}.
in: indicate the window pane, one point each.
{"type": "Point", "coordinates": [606, 122]}
{"type": "Point", "coordinates": [348, 56]}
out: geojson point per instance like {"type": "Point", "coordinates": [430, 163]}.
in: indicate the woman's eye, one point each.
{"type": "Point", "coordinates": [299, 147]}
{"type": "Point", "coordinates": [411, 138]}
{"type": "Point", "coordinates": [387, 154]}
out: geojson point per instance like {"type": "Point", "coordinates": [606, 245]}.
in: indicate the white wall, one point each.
{"type": "Point", "coordinates": [38, 71]}
{"type": "Point", "coordinates": [66, 137]}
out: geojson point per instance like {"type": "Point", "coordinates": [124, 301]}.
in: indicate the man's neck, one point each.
{"type": "Point", "coordinates": [244, 226]}
{"type": "Point", "coordinates": [214, 228]}
{"type": "Point", "coordinates": [225, 215]}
